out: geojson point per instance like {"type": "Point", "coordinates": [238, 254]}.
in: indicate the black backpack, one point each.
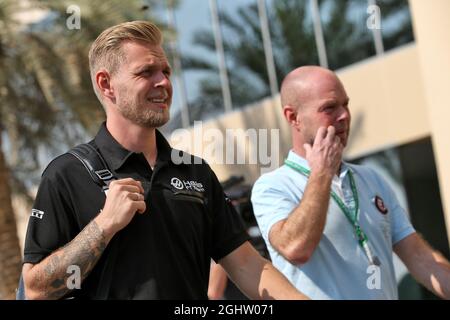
{"type": "Point", "coordinates": [94, 163]}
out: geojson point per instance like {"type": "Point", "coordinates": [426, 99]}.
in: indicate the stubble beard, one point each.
{"type": "Point", "coordinates": [141, 114]}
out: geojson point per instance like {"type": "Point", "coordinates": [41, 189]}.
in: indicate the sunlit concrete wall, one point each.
{"type": "Point", "coordinates": [432, 32]}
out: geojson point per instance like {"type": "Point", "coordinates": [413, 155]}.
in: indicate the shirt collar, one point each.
{"type": "Point", "coordinates": [294, 157]}
{"type": "Point", "coordinates": [116, 155]}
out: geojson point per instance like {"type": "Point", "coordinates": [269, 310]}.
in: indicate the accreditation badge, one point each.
{"type": "Point", "coordinates": [379, 204]}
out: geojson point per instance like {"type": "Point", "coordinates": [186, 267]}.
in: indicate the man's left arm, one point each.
{"type": "Point", "coordinates": [218, 280]}
{"type": "Point", "coordinates": [428, 266]}
{"type": "Point", "coordinates": [257, 277]}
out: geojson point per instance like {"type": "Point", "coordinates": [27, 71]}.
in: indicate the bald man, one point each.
{"type": "Point", "coordinates": [331, 226]}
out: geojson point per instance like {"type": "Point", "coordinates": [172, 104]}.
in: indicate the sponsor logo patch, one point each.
{"type": "Point", "coordinates": [186, 185]}
{"type": "Point", "coordinates": [37, 213]}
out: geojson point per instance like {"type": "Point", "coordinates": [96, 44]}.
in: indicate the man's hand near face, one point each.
{"type": "Point", "coordinates": [325, 154]}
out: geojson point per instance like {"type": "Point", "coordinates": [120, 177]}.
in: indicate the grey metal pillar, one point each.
{"type": "Point", "coordinates": [375, 26]}
{"type": "Point", "coordinates": [221, 56]}
{"type": "Point", "coordinates": [318, 34]}
{"type": "Point", "coordinates": [270, 64]}
{"type": "Point", "coordinates": [178, 70]}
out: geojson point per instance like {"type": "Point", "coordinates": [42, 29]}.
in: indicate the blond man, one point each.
{"type": "Point", "coordinates": [153, 233]}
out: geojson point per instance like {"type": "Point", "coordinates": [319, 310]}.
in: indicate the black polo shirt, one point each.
{"type": "Point", "coordinates": [162, 254]}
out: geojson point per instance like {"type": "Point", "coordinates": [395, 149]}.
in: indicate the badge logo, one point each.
{"type": "Point", "coordinates": [189, 185]}
{"type": "Point", "coordinates": [379, 203]}
{"type": "Point", "coordinates": [37, 213]}
{"type": "Point", "coordinates": [176, 183]}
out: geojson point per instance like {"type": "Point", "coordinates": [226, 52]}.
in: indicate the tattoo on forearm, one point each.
{"type": "Point", "coordinates": [84, 251]}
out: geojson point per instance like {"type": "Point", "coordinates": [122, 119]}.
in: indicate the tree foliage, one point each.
{"type": "Point", "coordinates": [347, 39]}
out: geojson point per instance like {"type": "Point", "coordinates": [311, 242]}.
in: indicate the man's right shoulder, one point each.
{"type": "Point", "coordinates": [64, 164]}
{"type": "Point", "coordinates": [278, 177]}
{"type": "Point", "coordinates": [279, 174]}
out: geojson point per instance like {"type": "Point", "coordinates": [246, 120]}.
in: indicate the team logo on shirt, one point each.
{"type": "Point", "coordinates": [379, 203]}
{"type": "Point", "coordinates": [176, 183]}
{"type": "Point", "coordinates": [37, 213]}
{"type": "Point", "coordinates": [187, 185]}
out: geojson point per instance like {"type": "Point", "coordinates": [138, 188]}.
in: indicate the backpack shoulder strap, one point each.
{"type": "Point", "coordinates": [94, 163]}
{"type": "Point", "coordinates": [98, 170]}
{"type": "Point", "coordinates": [20, 291]}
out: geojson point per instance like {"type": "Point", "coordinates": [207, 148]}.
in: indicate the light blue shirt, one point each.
{"type": "Point", "coordinates": [339, 267]}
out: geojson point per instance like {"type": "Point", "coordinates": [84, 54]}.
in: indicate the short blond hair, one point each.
{"type": "Point", "coordinates": [106, 50]}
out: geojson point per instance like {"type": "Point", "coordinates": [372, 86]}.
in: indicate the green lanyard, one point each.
{"type": "Point", "coordinates": [352, 217]}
